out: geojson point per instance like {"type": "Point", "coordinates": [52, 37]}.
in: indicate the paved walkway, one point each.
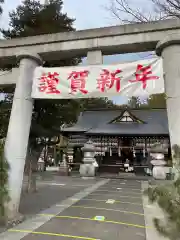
{"type": "Point", "coordinates": [106, 210]}
{"type": "Point", "coordinates": [51, 190]}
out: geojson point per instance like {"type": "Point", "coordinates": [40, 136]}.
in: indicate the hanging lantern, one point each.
{"type": "Point", "coordinates": [134, 152]}
{"type": "Point", "coordinates": [119, 151]}
{"type": "Point", "coordinates": [144, 152]}
{"type": "Point", "coordinates": [110, 152]}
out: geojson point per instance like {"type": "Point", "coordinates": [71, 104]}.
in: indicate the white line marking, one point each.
{"type": "Point", "coordinates": [110, 201]}
{"type": "Point", "coordinates": [74, 199]}
{"type": "Point", "coordinates": [52, 184]}
{"type": "Point", "coordinates": [56, 184]}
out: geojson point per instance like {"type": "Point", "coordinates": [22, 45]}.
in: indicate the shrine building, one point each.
{"type": "Point", "coordinates": [118, 135]}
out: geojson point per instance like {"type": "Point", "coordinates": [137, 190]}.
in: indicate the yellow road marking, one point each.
{"type": "Point", "coordinates": [119, 196]}
{"type": "Point", "coordinates": [106, 209]}
{"type": "Point", "coordinates": [91, 219]}
{"type": "Point", "coordinates": [99, 218]}
{"type": "Point", "coordinates": [121, 191]}
{"type": "Point", "coordinates": [106, 190]}
{"type": "Point", "coordinates": [51, 234]}
{"type": "Point", "coordinates": [128, 192]}
{"type": "Point", "coordinates": [100, 200]}
{"type": "Point", "coordinates": [121, 185]}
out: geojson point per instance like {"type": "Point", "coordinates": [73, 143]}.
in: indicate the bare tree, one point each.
{"type": "Point", "coordinates": [127, 12]}
{"type": "Point", "coordinates": [139, 11]}
{"type": "Point", "coordinates": [169, 8]}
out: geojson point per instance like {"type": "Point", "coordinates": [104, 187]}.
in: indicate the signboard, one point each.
{"type": "Point", "coordinates": [138, 78]}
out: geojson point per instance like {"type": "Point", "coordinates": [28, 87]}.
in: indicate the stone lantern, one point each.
{"type": "Point", "coordinates": [158, 162]}
{"type": "Point", "coordinates": [87, 169]}
{"type": "Point", "coordinates": [63, 167]}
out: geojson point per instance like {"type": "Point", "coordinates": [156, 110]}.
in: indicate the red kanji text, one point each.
{"type": "Point", "coordinates": [78, 81]}
{"type": "Point", "coordinates": [108, 79]}
{"type": "Point", "coordinates": [48, 83]}
{"type": "Point", "coordinates": [143, 74]}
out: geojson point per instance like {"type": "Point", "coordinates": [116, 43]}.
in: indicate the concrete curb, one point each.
{"type": "Point", "coordinates": [150, 211]}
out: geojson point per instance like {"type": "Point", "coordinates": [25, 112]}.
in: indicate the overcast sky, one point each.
{"type": "Point", "coordinates": [88, 14]}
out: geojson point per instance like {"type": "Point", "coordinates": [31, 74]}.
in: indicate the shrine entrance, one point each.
{"type": "Point", "coordinates": [93, 80]}
{"type": "Point", "coordinates": [126, 150]}
{"type": "Point", "coordinates": [124, 157]}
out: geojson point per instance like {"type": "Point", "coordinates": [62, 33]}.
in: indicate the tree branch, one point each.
{"type": "Point", "coordinates": [124, 11]}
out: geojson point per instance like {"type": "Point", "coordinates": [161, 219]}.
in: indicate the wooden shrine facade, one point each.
{"type": "Point", "coordinates": [118, 135]}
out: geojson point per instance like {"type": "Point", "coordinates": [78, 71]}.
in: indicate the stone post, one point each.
{"type": "Point", "coordinates": [94, 57]}
{"type": "Point", "coordinates": [87, 169]}
{"type": "Point", "coordinates": [157, 152]}
{"type": "Point", "coordinates": [169, 49]}
{"type": "Point", "coordinates": [19, 127]}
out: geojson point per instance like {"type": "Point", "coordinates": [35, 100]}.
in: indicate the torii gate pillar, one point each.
{"type": "Point", "coordinates": [19, 127]}
{"type": "Point", "coordinates": [169, 49]}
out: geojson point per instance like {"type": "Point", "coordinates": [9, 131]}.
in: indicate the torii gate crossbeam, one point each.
{"type": "Point", "coordinates": [109, 40]}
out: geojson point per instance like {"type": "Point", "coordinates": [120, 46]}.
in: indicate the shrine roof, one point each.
{"type": "Point", "coordinates": [154, 122]}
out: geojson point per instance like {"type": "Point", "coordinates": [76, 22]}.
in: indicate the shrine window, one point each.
{"type": "Point", "coordinates": [125, 119]}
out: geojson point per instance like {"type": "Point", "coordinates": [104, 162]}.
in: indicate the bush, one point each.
{"type": "Point", "coordinates": [4, 194]}
{"type": "Point", "coordinates": [167, 196]}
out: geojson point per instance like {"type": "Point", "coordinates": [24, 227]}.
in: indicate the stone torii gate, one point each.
{"type": "Point", "coordinates": [162, 36]}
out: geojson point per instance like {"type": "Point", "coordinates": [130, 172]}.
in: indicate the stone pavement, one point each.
{"type": "Point", "coordinates": [108, 209]}
{"type": "Point", "coordinates": [51, 189]}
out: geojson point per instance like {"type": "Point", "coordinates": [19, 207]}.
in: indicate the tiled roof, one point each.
{"type": "Point", "coordinates": [97, 122]}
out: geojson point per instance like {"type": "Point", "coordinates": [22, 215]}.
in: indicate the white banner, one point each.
{"type": "Point", "coordinates": [129, 79]}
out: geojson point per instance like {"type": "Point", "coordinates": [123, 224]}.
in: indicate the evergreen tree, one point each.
{"type": "Point", "coordinates": [134, 102]}
{"type": "Point", "coordinates": [33, 18]}
{"type": "Point", "coordinates": [96, 103]}
{"type": "Point", "coordinates": [5, 107]}
{"type": "Point", "coordinates": [153, 101]}
{"type": "Point", "coordinates": [157, 101]}
{"type": "Point", "coordinates": [1, 10]}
